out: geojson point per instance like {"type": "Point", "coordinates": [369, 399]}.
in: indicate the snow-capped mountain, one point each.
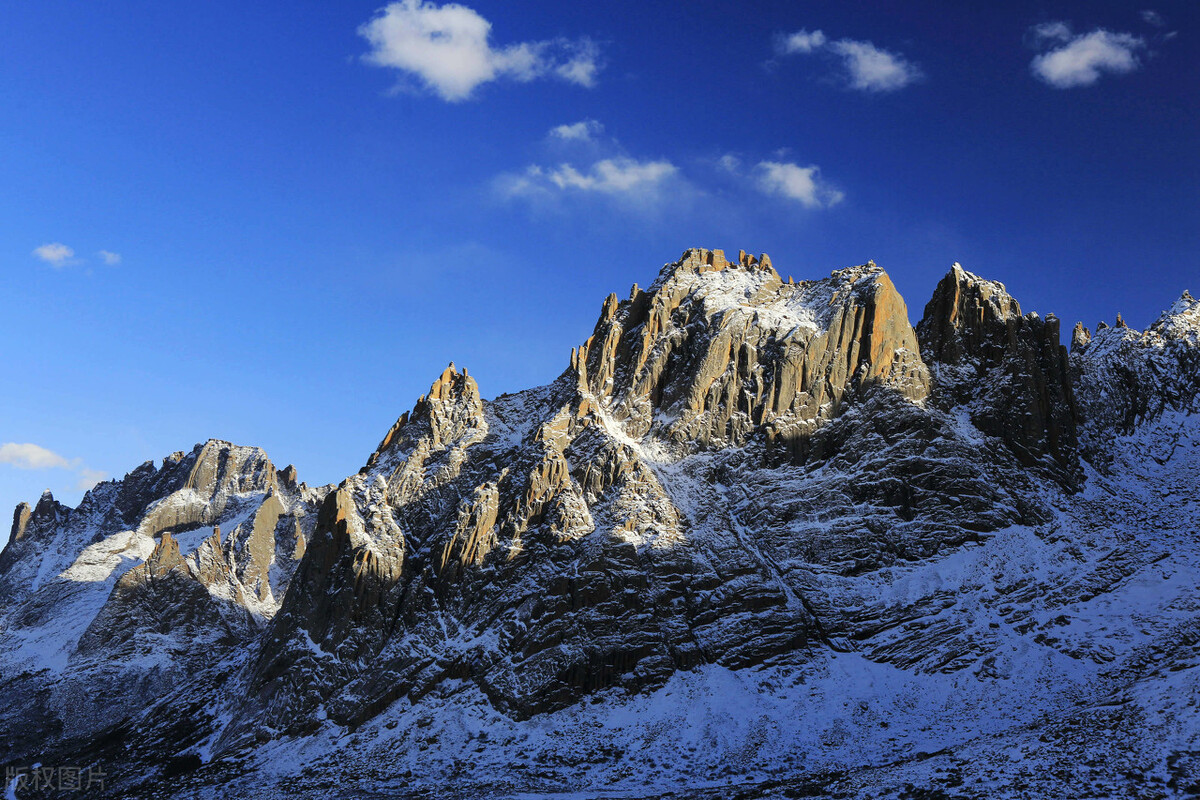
{"type": "Point", "coordinates": [762, 538]}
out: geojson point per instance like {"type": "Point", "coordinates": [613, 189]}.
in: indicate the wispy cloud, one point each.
{"type": "Point", "coordinates": [782, 179]}
{"type": "Point", "coordinates": [110, 258]}
{"type": "Point", "coordinates": [730, 163]}
{"type": "Point", "coordinates": [1152, 17]}
{"type": "Point", "coordinates": [802, 184]}
{"type": "Point", "coordinates": [802, 41]}
{"type": "Point", "coordinates": [865, 66]}
{"type": "Point", "coordinates": [448, 49]}
{"type": "Point", "coordinates": [1069, 60]}
{"type": "Point", "coordinates": [597, 167]}
{"type": "Point", "coordinates": [612, 174]}
{"type": "Point", "coordinates": [89, 478]}
{"type": "Point", "coordinates": [580, 63]}
{"type": "Point", "coordinates": [585, 131]}
{"type": "Point", "coordinates": [30, 456]}
{"type": "Point", "coordinates": [1056, 31]}
{"type": "Point", "coordinates": [873, 69]}
{"type": "Point", "coordinates": [616, 177]}
{"type": "Point", "coordinates": [56, 254]}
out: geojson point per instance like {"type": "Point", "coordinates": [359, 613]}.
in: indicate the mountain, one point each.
{"type": "Point", "coordinates": [761, 538]}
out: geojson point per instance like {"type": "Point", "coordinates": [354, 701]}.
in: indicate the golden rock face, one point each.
{"type": "Point", "coordinates": [729, 354]}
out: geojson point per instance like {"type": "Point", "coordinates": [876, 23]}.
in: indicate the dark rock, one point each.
{"type": "Point", "coordinates": [1009, 370]}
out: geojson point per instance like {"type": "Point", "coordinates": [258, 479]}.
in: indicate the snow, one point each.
{"type": "Point", "coordinates": [109, 558]}
{"type": "Point", "coordinates": [512, 417]}
{"type": "Point", "coordinates": [76, 583]}
{"type": "Point", "coordinates": [714, 727]}
{"type": "Point", "coordinates": [976, 654]}
{"type": "Point", "coordinates": [709, 727]}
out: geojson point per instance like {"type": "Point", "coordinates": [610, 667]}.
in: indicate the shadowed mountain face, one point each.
{"type": "Point", "coordinates": [1008, 370]}
{"type": "Point", "coordinates": [736, 479]}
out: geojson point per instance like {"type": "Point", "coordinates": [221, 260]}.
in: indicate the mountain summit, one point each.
{"type": "Point", "coordinates": [758, 534]}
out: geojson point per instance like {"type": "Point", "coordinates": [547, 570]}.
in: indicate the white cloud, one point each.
{"type": "Point", "coordinates": [584, 131]}
{"type": "Point", "coordinates": [582, 62]}
{"type": "Point", "coordinates": [1080, 60]}
{"type": "Point", "coordinates": [802, 184]}
{"type": "Point", "coordinates": [32, 456]}
{"type": "Point", "coordinates": [447, 47]}
{"type": "Point", "coordinates": [730, 163]}
{"type": "Point", "coordinates": [645, 186]}
{"type": "Point", "coordinates": [1051, 32]}
{"type": "Point", "coordinates": [614, 175]}
{"type": "Point", "coordinates": [35, 457]}
{"type": "Point", "coordinates": [110, 258]}
{"type": "Point", "coordinates": [610, 176]}
{"type": "Point", "coordinates": [874, 70]}
{"type": "Point", "coordinates": [868, 68]}
{"type": "Point", "coordinates": [1151, 17]}
{"type": "Point", "coordinates": [89, 478]}
{"type": "Point", "coordinates": [55, 254]}
{"type": "Point", "coordinates": [801, 42]}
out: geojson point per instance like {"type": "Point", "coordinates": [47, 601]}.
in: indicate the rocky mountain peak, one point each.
{"type": "Point", "coordinates": [1007, 369]}
{"type": "Point", "coordinates": [21, 516]}
{"type": "Point", "coordinates": [1181, 320]}
{"type": "Point", "coordinates": [701, 260]}
{"type": "Point", "coordinates": [32, 525]}
{"type": "Point", "coordinates": [738, 481]}
{"type": "Point", "coordinates": [189, 489]}
{"type": "Point", "coordinates": [222, 467]}
{"type": "Point", "coordinates": [1126, 377]}
{"type": "Point", "coordinates": [1080, 337]}
{"type": "Point", "coordinates": [962, 316]}
{"type": "Point", "coordinates": [715, 350]}
{"type": "Point", "coordinates": [450, 412]}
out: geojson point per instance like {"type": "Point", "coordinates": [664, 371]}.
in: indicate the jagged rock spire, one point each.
{"type": "Point", "coordinates": [452, 410]}
{"type": "Point", "coordinates": [723, 355]}
{"type": "Point", "coordinates": [1009, 369]}
{"type": "Point", "coordinates": [962, 315]}
{"type": "Point", "coordinates": [1080, 337]}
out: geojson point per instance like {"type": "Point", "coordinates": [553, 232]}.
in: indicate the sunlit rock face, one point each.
{"type": "Point", "coordinates": [152, 580]}
{"type": "Point", "coordinates": [746, 498]}
{"type": "Point", "coordinates": [721, 350]}
{"type": "Point", "coordinates": [658, 507]}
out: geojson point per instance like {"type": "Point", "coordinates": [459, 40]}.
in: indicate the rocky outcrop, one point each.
{"type": "Point", "coordinates": [104, 603]}
{"type": "Point", "coordinates": [167, 597]}
{"type": "Point", "coordinates": [1080, 337]}
{"type": "Point", "coordinates": [201, 483]}
{"type": "Point", "coordinates": [33, 530]}
{"type": "Point", "coordinates": [1007, 369]}
{"type": "Point", "coordinates": [448, 555]}
{"type": "Point", "coordinates": [451, 413]}
{"type": "Point", "coordinates": [1127, 377]}
{"type": "Point", "coordinates": [719, 350]}
{"type": "Point", "coordinates": [346, 598]}
{"type": "Point", "coordinates": [342, 605]}
{"type": "Point", "coordinates": [20, 522]}
{"type": "Point", "coordinates": [36, 534]}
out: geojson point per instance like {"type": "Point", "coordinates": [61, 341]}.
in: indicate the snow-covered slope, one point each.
{"type": "Point", "coordinates": [760, 539]}
{"type": "Point", "coordinates": [101, 612]}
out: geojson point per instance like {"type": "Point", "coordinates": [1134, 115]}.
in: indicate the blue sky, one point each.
{"type": "Point", "coordinates": [275, 223]}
